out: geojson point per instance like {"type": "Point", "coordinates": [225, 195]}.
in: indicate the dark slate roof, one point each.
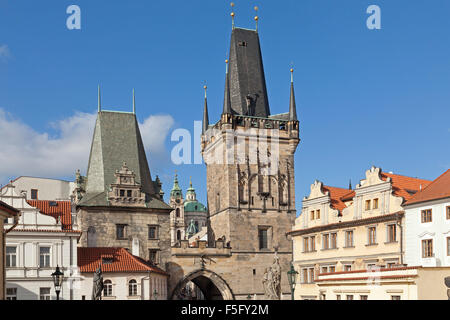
{"type": "Point", "coordinates": [246, 74]}
{"type": "Point", "coordinates": [117, 139]}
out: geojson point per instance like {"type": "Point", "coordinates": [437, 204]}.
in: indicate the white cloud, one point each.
{"type": "Point", "coordinates": [24, 151]}
{"type": "Point", "coordinates": [4, 52]}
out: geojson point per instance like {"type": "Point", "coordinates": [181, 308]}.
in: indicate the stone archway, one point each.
{"type": "Point", "coordinates": [211, 284]}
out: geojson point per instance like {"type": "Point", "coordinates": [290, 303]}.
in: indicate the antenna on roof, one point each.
{"type": "Point", "coordinates": [99, 100]}
{"type": "Point", "coordinates": [134, 103]}
{"type": "Point", "coordinates": [232, 14]}
{"type": "Point", "coordinates": [256, 18]}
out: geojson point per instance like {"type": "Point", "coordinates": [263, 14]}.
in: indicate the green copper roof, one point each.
{"type": "Point", "coordinates": [117, 139]}
{"type": "Point", "coordinates": [194, 206]}
{"type": "Point", "coordinates": [176, 190]}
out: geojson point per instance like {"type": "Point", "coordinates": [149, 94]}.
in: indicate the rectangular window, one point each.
{"type": "Point", "coordinates": [121, 231]}
{"type": "Point", "coordinates": [44, 294]}
{"type": "Point", "coordinates": [318, 214]}
{"type": "Point", "coordinates": [448, 212]}
{"type": "Point", "coordinates": [372, 234]}
{"type": "Point", "coordinates": [331, 269]}
{"type": "Point", "coordinates": [333, 241]}
{"type": "Point", "coordinates": [375, 204]}
{"type": "Point", "coordinates": [305, 244]}
{"type": "Point", "coordinates": [129, 193]}
{"type": "Point", "coordinates": [392, 233]}
{"type": "Point", "coordinates": [122, 193]}
{"type": "Point", "coordinates": [311, 275]}
{"type": "Point", "coordinates": [448, 246]}
{"type": "Point", "coordinates": [305, 275]}
{"type": "Point", "coordinates": [349, 239]}
{"type": "Point", "coordinates": [11, 257]}
{"type": "Point", "coordinates": [367, 205]}
{"type": "Point", "coordinates": [153, 232]}
{"type": "Point", "coordinates": [395, 297]}
{"type": "Point", "coordinates": [363, 297]}
{"type": "Point", "coordinates": [324, 270]}
{"type": "Point", "coordinates": [427, 248]}
{"type": "Point", "coordinates": [313, 243]}
{"type": "Point", "coordinates": [426, 216]}
{"type": "Point", "coordinates": [263, 241]}
{"type": "Point", "coordinates": [153, 256]}
{"type": "Point", "coordinates": [348, 267]}
{"type": "Point", "coordinates": [44, 257]}
{"type": "Point", "coordinates": [312, 215]}
{"type": "Point", "coordinates": [34, 194]}
{"type": "Point", "coordinates": [349, 297]}
{"type": "Point", "coordinates": [338, 297]}
{"type": "Point", "coordinates": [11, 293]}
{"type": "Point", "coordinates": [326, 241]}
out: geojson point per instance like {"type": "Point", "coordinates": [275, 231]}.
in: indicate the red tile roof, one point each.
{"type": "Point", "coordinates": [59, 210]}
{"type": "Point", "coordinates": [89, 260]}
{"type": "Point", "coordinates": [7, 208]}
{"type": "Point", "coordinates": [438, 189]}
{"type": "Point", "coordinates": [335, 195]}
{"type": "Point", "coordinates": [404, 186]}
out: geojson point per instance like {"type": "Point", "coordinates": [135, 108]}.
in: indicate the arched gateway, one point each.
{"type": "Point", "coordinates": [211, 284]}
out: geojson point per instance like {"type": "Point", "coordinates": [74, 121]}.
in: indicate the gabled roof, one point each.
{"type": "Point", "coordinates": [116, 140]}
{"type": "Point", "coordinates": [246, 74]}
{"type": "Point", "coordinates": [89, 259]}
{"type": "Point", "coordinates": [8, 209]}
{"type": "Point", "coordinates": [438, 189]}
{"type": "Point", "coordinates": [335, 196]}
{"type": "Point", "coordinates": [403, 186]}
{"type": "Point", "coordinates": [57, 209]}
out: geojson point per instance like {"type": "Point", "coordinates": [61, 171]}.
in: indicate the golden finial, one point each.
{"type": "Point", "coordinates": [232, 14]}
{"type": "Point", "coordinates": [256, 17]}
{"type": "Point", "coordinates": [205, 87]}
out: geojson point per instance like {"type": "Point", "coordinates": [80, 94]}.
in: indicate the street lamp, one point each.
{"type": "Point", "coordinates": [291, 274]}
{"type": "Point", "coordinates": [155, 294]}
{"type": "Point", "coordinates": [58, 277]}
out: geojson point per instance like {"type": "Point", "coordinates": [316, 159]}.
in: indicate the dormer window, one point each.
{"type": "Point", "coordinates": [107, 260]}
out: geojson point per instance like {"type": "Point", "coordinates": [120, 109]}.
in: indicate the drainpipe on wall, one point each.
{"type": "Point", "coordinates": [399, 223]}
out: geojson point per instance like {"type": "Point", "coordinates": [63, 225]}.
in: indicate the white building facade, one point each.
{"type": "Point", "coordinates": [43, 239]}
{"type": "Point", "coordinates": [427, 225]}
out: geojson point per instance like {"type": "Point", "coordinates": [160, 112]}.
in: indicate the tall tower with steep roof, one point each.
{"type": "Point", "coordinates": [249, 156]}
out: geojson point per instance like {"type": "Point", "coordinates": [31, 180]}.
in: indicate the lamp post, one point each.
{"type": "Point", "coordinates": [58, 277]}
{"type": "Point", "coordinates": [155, 294]}
{"type": "Point", "coordinates": [291, 274]}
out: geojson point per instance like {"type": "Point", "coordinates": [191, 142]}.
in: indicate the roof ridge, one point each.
{"type": "Point", "coordinates": [402, 175]}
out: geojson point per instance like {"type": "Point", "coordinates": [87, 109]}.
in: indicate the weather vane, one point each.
{"type": "Point", "coordinates": [232, 14]}
{"type": "Point", "coordinates": [256, 17]}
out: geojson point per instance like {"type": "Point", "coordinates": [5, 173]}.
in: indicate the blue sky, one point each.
{"type": "Point", "coordinates": [364, 97]}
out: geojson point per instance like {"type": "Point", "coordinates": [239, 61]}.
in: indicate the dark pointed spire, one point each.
{"type": "Point", "coordinates": [350, 185]}
{"type": "Point", "coordinates": [227, 100]}
{"type": "Point", "coordinates": [205, 113]}
{"type": "Point", "coordinates": [292, 106]}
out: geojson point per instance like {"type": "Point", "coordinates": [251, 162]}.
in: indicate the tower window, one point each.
{"type": "Point", "coordinates": [122, 193]}
{"type": "Point", "coordinates": [129, 193]}
{"type": "Point", "coordinates": [34, 194]}
{"type": "Point", "coordinates": [121, 231]}
{"type": "Point", "coordinates": [242, 43]}
{"type": "Point", "coordinates": [177, 212]}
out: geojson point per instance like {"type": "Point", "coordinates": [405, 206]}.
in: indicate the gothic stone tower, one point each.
{"type": "Point", "coordinates": [249, 155]}
{"type": "Point", "coordinates": [121, 205]}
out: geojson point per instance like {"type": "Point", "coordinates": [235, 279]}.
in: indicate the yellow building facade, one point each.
{"type": "Point", "coordinates": [343, 230]}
